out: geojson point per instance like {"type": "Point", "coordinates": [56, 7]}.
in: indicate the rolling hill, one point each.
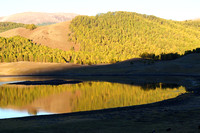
{"type": "Point", "coordinates": [38, 17]}
{"type": "Point", "coordinates": [53, 36]}
{"type": "Point", "coordinates": [127, 34]}
{"type": "Point", "coordinates": [105, 38]}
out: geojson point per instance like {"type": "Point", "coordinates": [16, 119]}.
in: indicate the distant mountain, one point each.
{"type": "Point", "coordinates": [38, 17]}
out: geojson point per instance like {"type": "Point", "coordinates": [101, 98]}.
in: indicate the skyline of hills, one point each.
{"type": "Point", "coordinates": [111, 37]}
{"type": "Point", "coordinates": [38, 17]}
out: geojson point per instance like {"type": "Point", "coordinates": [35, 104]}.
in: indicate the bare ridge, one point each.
{"type": "Point", "coordinates": [38, 17]}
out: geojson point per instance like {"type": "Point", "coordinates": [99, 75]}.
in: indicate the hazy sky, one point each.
{"type": "Point", "coordinates": [168, 9]}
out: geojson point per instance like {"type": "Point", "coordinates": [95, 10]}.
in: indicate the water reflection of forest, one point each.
{"type": "Point", "coordinates": [153, 86]}
{"type": "Point", "coordinates": [83, 96]}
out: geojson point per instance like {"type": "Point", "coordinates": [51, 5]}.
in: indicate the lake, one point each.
{"type": "Point", "coordinates": [25, 96]}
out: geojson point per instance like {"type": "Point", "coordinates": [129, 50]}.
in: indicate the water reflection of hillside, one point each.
{"type": "Point", "coordinates": [83, 96]}
{"type": "Point", "coordinates": [153, 86]}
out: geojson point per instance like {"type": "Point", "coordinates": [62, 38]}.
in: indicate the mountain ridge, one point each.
{"type": "Point", "coordinates": [38, 17]}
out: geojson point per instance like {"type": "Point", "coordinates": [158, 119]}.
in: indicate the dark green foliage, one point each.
{"type": "Point", "coordinates": [169, 56]}
{"type": "Point", "coordinates": [148, 56]}
{"type": "Point", "coordinates": [4, 26]}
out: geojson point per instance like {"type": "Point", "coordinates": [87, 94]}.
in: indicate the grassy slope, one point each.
{"type": "Point", "coordinates": [53, 36]}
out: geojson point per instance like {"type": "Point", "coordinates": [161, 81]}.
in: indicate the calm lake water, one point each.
{"type": "Point", "coordinates": [47, 96]}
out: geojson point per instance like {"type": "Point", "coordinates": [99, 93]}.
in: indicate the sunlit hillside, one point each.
{"type": "Point", "coordinates": [53, 36]}
{"type": "Point", "coordinates": [104, 38]}
{"type": "Point", "coordinates": [126, 35]}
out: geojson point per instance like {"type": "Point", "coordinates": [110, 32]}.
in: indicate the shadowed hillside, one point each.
{"type": "Point", "coordinates": [187, 65]}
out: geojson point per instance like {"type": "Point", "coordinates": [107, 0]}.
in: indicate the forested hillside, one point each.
{"type": "Point", "coordinates": [18, 48]}
{"type": "Point", "coordinates": [21, 49]}
{"type": "Point", "coordinates": [109, 38]}
{"type": "Point", "coordinates": [124, 35]}
{"type": "Point", "coordinates": [4, 26]}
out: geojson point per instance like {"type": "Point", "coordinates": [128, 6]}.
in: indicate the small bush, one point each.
{"type": "Point", "coordinates": [31, 26]}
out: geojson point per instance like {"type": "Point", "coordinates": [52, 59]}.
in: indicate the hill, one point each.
{"type": "Point", "coordinates": [53, 36]}
{"type": "Point", "coordinates": [125, 35]}
{"type": "Point", "coordinates": [4, 26]}
{"type": "Point", "coordinates": [109, 38]}
{"type": "Point", "coordinates": [38, 17]}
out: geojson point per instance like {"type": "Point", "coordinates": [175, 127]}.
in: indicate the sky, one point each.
{"type": "Point", "coordinates": [168, 9]}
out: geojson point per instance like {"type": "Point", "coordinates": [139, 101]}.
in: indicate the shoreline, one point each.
{"type": "Point", "coordinates": [180, 114]}
{"type": "Point", "coordinates": [146, 118]}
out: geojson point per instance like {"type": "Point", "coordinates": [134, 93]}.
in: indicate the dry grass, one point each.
{"type": "Point", "coordinates": [53, 36]}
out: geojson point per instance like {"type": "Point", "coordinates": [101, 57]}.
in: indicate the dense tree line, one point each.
{"type": "Point", "coordinates": [17, 48]}
{"type": "Point", "coordinates": [4, 26]}
{"type": "Point", "coordinates": [169, 56]}
{"type": "Point", "coordinates": [21, 49]}
{"type": "Point", "coordinates": [125, 35]}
